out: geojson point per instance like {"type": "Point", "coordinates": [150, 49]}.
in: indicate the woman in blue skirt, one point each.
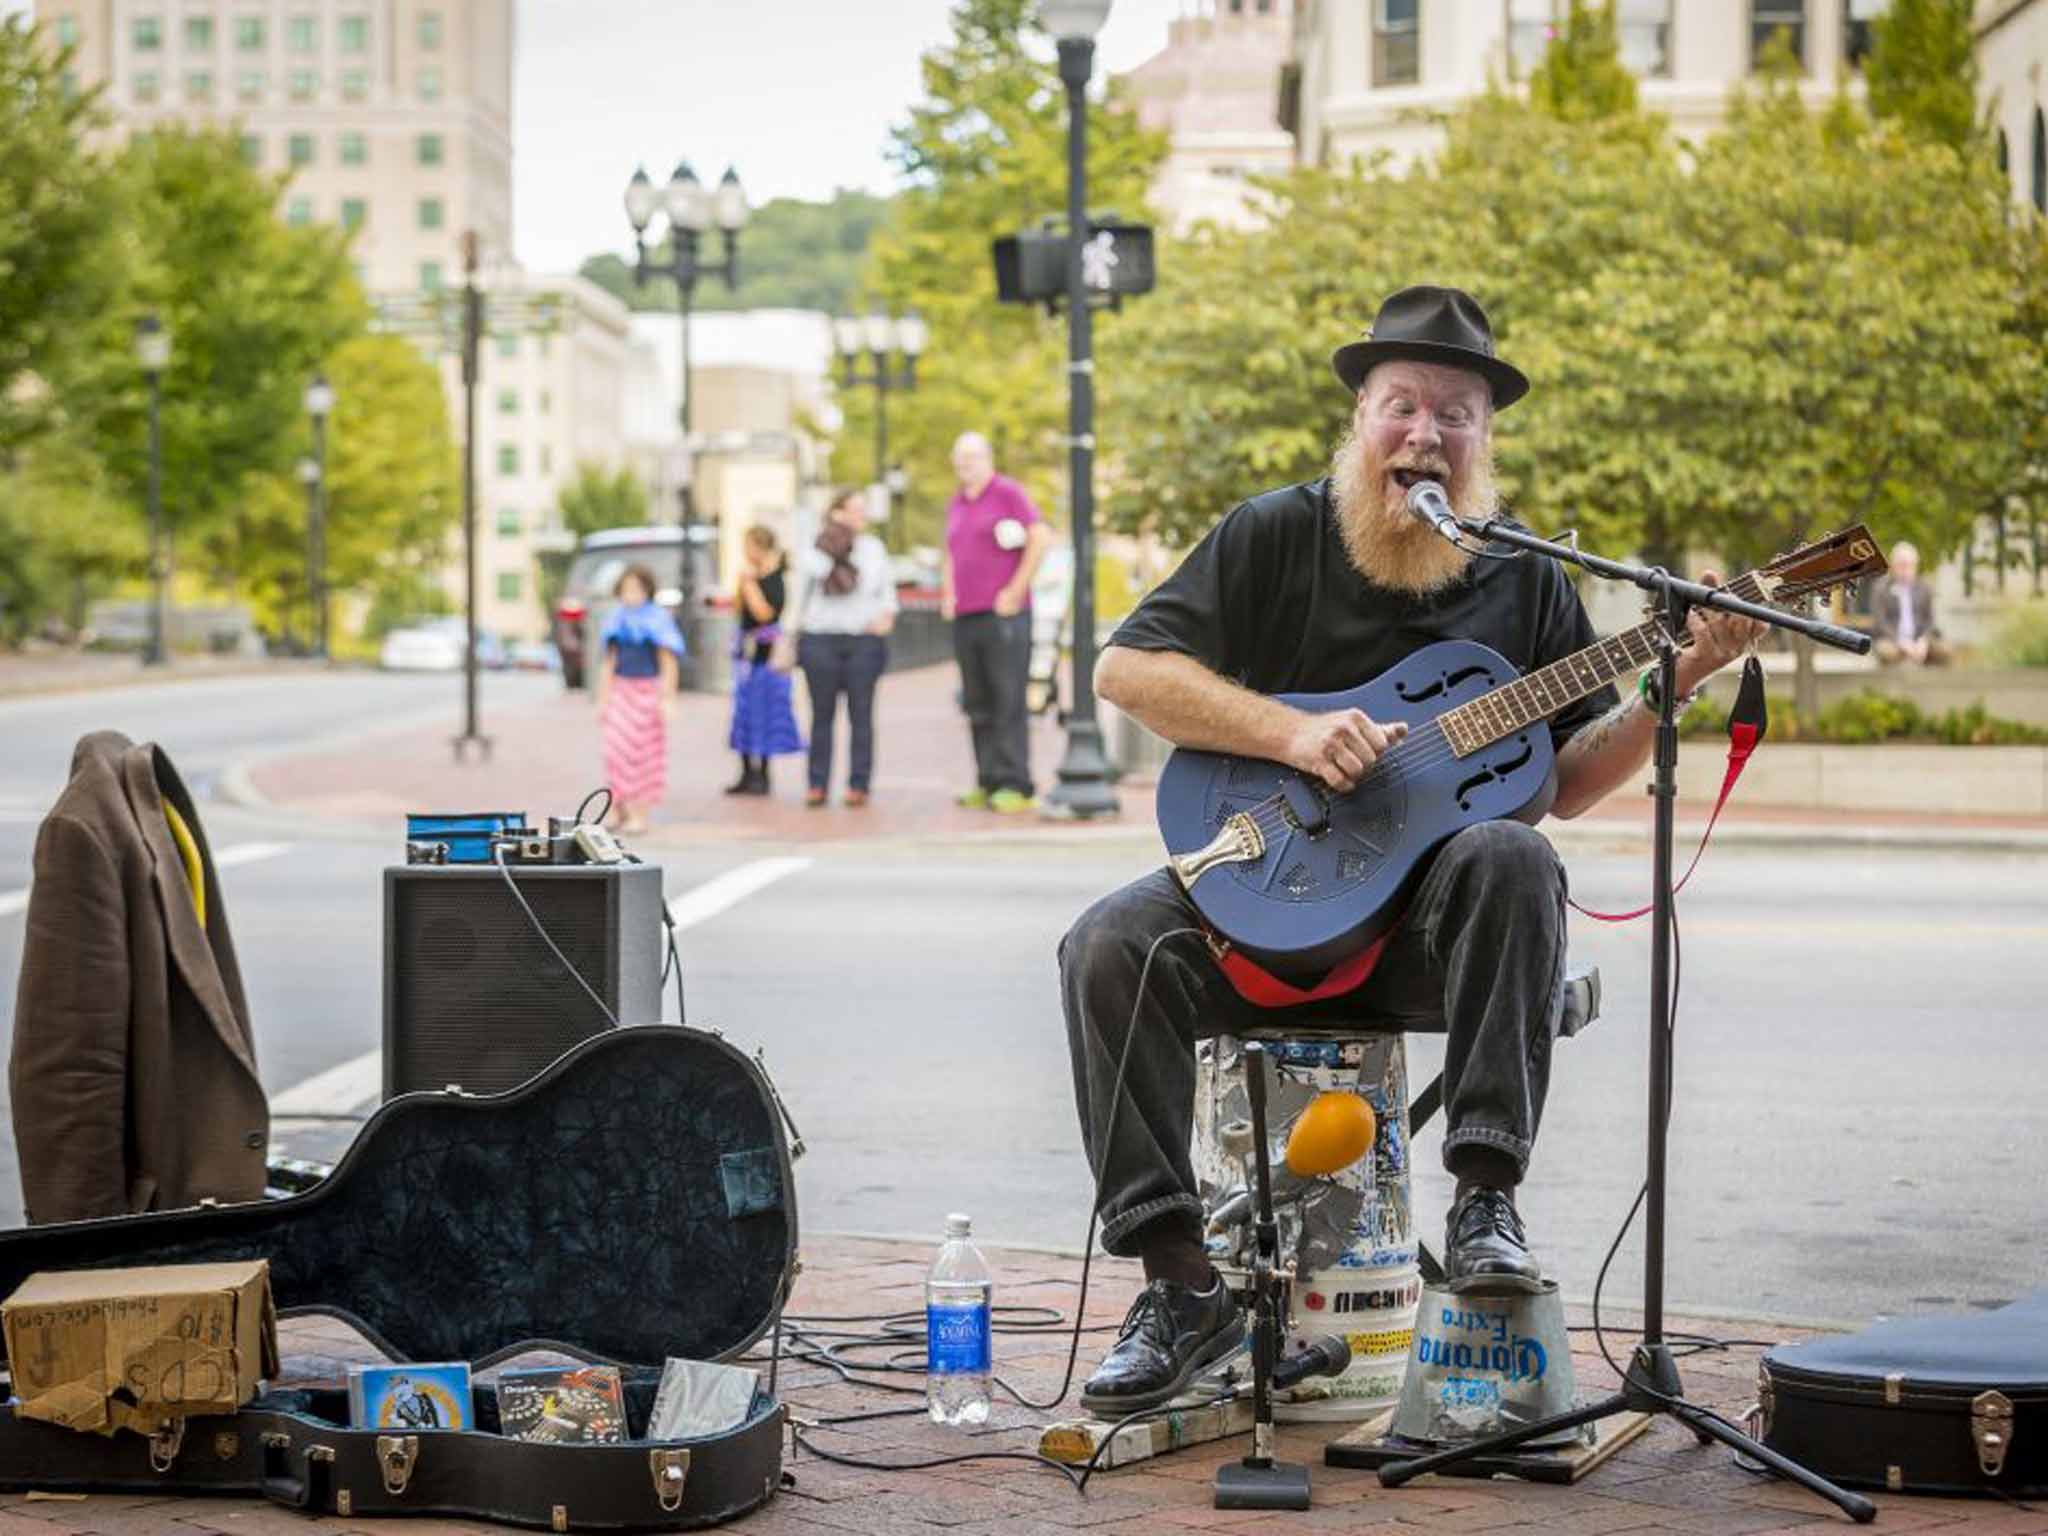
{"type": "Point", "coordinates": [763, 724]}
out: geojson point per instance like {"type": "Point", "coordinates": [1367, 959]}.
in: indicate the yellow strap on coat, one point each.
{"type": "Point", "coordinates": [188, 850]}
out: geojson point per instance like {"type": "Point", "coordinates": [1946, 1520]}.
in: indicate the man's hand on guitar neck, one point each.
{"type": "Point", "coordinates": [1340, 748]}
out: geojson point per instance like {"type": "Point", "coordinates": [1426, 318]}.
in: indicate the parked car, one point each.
{"type": "Point", "coordinates": [601, 559]}
{"type": "Point", "coordinates": [534, 656]}
{"type": "Point", "coordinates": [435, 645]}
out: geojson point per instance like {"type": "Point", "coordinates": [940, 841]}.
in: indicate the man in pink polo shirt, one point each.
{"type": "Point", "coordinates": [994, 541]}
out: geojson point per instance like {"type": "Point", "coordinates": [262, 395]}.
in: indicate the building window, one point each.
{"type": "Point", "coordinates": [249, 85]}
{"type": "Point", "coordinates": [1857, 16]}
{"type": "Point", "coordinates": [1396, 42]}
{"type": "Point", "coordinates": [250, 34]}
{"type": "Point", "coordinates": [1769, 16]}
{"type": "Point", "coordinates": [67, 82]}
{"type": "Point", "coordinates": [430, 85]}
{"type": "Point", "coordinates": [355, 34]}
{"type": "Point", "coordinates": [430, 29]}
{"type": "Point", "coordinates": [353, 212]}
{"type": "Point", "coordinates": [355, 150]}
{"type": "Point", "coordinates": [252, 149]}
{"type": "Point", "coordinates": [544, 343]}
{"type": "Point", "coordinates": [199, 34]}
{"type": "Point", "coordinates": [547, 459]}
{"type": "Point", "coordinates": [145, 86]}
{"type": "Point", "coordinates": [299, 149]}
{"type": "Point", "coordinates": [545, 403]}
{"type": "Point", "coordinates": [302, 34]}
{"type": "Point", "coordinates": [430, 276]}
{"type": "Point", "coordinates": [508, 402]}
{"type": "Point", "coordinates": [67, 31]}
{"type": "Point", "coordinates": [509, 583]}
{"type": "Point", "coordinates": [299, 212]}
{"type": "Point", "coordinates": [2040, 162]}
{"type": "Point", "coordinates": [305, 84]}
{"type": "Point", "coordinates": [508, 523]}
{"type": "Point", "coordinates": [508, 458]}
{"type": "Point", "coordinates": [355, 85]}
{"type": "Point", "coordinates": [430, 213]}
{"type": "Point", "coordinates": [427, 149]}
{"type": "Point", "coordinates": [198, 85]}
{"type": "Point", "coordinates": [508, 344]}
{"type": "Point", "coordinates": [1642, 32]}
{"type": "Point", "coordinates": [148, 34]}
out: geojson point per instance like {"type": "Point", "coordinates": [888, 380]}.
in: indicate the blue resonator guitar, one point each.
{"type": "Point", "coordinates": [1300, 877]}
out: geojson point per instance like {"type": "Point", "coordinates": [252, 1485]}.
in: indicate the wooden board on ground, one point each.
{"type": "Point", "coordinates": [1075, 1441]}
{"type": "Point", "coordinates": [1365, 1447]}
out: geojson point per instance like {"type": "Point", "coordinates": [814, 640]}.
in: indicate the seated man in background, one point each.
{"type": "Point", "coordinates": [133, 1069]}
{"type": "Point", "coordinates": [1902, 608]}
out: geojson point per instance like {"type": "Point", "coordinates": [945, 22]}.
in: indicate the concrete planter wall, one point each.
{"type": "Point", "coordinates": [1997, 781]}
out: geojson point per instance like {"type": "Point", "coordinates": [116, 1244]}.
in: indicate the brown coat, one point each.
{"type": "Point", "coordinates": [133, 1070]}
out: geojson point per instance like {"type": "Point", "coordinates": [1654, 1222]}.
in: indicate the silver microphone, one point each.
{"type": "Point", "coordinates": [1428, 504]}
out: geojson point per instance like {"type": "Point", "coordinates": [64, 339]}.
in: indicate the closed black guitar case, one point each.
{"type": "Point", "coordinates": [1918, 1405]}
{"type": "Point", "coordinates": [633, 1202]}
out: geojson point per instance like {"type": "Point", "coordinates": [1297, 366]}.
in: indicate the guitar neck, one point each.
{"type": "Point", "coordinates": [1544, 692]}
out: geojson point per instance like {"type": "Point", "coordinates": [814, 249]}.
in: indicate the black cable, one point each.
{"type": "Point", "coordinates": [602, 789]}
{"type": "Point", "coordinates": [498, 858]}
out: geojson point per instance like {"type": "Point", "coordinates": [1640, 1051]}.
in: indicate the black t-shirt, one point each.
{"type": "Point", "coordinates": [1269, 599]}
{"type": "Point", "coordinates": [774, 589]}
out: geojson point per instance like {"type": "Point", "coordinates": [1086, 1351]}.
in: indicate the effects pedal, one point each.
{"type": "Point", "coordinates": [597, 845]}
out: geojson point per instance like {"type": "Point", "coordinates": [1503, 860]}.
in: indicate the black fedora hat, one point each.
{"type": "Point", "coordinates": [1432, 325]}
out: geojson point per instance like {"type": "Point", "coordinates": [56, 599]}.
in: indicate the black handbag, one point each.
{"type": "Point", "coordinates": [1918, 1405]}
{"type": "Point", "coordinates": [633, 1202]}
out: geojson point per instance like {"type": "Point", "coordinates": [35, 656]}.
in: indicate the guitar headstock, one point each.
{"type": "Point", "coordinates": [1821, 566]}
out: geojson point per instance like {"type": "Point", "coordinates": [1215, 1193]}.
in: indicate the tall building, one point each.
{"type": "Point", "coordinates": [1211, 90]}
{"type": "Point", "coordinates": [1367, 73]}
{"type": "Point", "coordinates": [2012, 54]}
{"type": "Point", "coordinates": [393, 117]}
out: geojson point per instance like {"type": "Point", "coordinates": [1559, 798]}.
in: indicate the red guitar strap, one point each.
{"type": "Point", "coordinates": [1747, 722]}
{"type": "Point", "coordinates": [1262, 989]}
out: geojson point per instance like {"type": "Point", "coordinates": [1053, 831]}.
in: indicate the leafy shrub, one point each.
{"type": "Point", "coordinates": [2021, 639]}
{"type": "Point", "coordinates": [1867, 717]}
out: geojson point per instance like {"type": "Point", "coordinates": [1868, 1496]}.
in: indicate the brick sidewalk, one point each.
{"type": "Point", "coordinates": [1662, 1482]}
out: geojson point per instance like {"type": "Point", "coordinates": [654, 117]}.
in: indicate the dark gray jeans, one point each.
{"type": "Point", "coordinates": [1479, 957]}
{"type": "Point", "coordinates": [995, 663]}
{"type": "Point", "coordinates": [850, 665]}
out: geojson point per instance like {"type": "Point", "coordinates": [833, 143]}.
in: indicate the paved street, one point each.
{"type": "Point", "coordinates": [1857, 1127]}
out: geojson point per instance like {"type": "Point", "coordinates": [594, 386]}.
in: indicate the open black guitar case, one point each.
{"type": "Point", "coordinates": [633, 1202]}
{"type": "Point", "coordinates": [1950, 1404]}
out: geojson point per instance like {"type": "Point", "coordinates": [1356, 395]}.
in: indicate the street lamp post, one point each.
{"type": "Point", "coordinates": [472, 344]}
{"type": "Point", "coordinates": [879, 334]}
{"type": "Point", "coordinates": [1083, 790]}
{"type": "Point", "coordinates": [319, 402]}
{"type": "Point", "coordinates": [153, 352]}
{"type": "Point", "coordinates": [691, 213]}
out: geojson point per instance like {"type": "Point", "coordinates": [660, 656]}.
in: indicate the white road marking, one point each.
{"type": "Point", "coordinates": [346, 1088]}
{"type": "Point", "coordinates": [12, 902]}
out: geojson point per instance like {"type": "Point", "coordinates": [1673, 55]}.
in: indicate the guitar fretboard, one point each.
{"type": "Point", "coordinates": [1544, 692]}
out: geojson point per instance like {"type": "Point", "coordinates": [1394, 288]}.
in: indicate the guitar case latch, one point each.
{"type": "Point", "coordinates": [1991, 1429]}
{"type": "Point", "coordinates": [397, 1455]}
{"type": "Point", "coordinates": [165, 1444]}
{"type": "Point", "coordinates": [671, 1468]}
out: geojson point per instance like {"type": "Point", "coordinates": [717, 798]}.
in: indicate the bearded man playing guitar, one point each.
{"type": "Point", "coordinates": [1315, 588]}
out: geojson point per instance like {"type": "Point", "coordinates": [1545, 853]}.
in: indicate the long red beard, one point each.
{"type": "Point", "coordinates": [1385, 544]}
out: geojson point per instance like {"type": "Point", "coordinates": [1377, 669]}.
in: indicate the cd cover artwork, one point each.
{"type": "Point", "coordinates": [409, 1396]}
{"type": "Point", "coordinates": [576, 1404]}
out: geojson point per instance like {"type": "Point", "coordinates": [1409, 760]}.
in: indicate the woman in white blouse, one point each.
{"type": "Point", "coordinates": [849, 607]}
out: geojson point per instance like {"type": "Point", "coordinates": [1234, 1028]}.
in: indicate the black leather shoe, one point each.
{"type": "Point", "coordinates": [1170, 1335]}
{"type": "Point", "coordinates": [1485, 1248]}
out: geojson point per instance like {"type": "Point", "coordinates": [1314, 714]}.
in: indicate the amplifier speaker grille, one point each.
{"type": "Point", "coordinates": [471, 994]}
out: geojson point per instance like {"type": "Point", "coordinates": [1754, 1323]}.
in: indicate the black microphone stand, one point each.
{"type": "Point", "coordinates": [1651, 1383]}
{"type": "Point", "coordinates": [1260, 1482]}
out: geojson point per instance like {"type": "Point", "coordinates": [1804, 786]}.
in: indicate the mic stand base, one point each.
{"type": "Point", "coordinates": [1276, 1485]}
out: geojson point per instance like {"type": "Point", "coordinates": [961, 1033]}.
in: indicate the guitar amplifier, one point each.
{"type": "Point", "coordinates": [474, 998]}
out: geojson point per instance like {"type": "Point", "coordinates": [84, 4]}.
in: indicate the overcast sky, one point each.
{"type": "Point", "coordinates": [798, 95]}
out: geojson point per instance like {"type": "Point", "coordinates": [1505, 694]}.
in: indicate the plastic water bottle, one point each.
{"type": "Point", "coordinates": [957, 1296]}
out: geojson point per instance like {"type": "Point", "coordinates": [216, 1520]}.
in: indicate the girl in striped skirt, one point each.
{"type": "Point", "coordinates": [636, 697]}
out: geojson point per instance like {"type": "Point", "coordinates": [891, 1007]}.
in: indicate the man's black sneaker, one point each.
{"type": "Point", "coordinates": [1485, 1248]}
{"type": "Point", "coordinates": [1170, 1335]}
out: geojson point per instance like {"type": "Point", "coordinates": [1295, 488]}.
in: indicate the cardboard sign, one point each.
{"type": "Point", "coordinates": [107, 1349]}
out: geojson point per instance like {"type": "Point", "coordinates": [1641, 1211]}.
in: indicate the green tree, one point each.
{"type": "Point", "coordinates": [601, 498]}
{"type": "Point", "coordinates": [394, 493]}
{"type": "Point", "coordinates": [65, 535]}
{"type": "Point", "coordinates": [1581, 75]}
{"type": "Point", "coordinates": [1922, 70]}
{"type": "Point", "coordinates": [60, 267]}
{"type": "Point", "coordinates": [792, 255]}
{"type": "Point", "coordinates": [983, 153]}
{"type": "Point", "coordinates": [252, 308]}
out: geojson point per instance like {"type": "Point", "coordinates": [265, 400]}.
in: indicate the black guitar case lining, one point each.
{"type": "Point", "coordinates": [1918, 1405]}
{"type": "Point", "coordinates": [633, 1202]}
